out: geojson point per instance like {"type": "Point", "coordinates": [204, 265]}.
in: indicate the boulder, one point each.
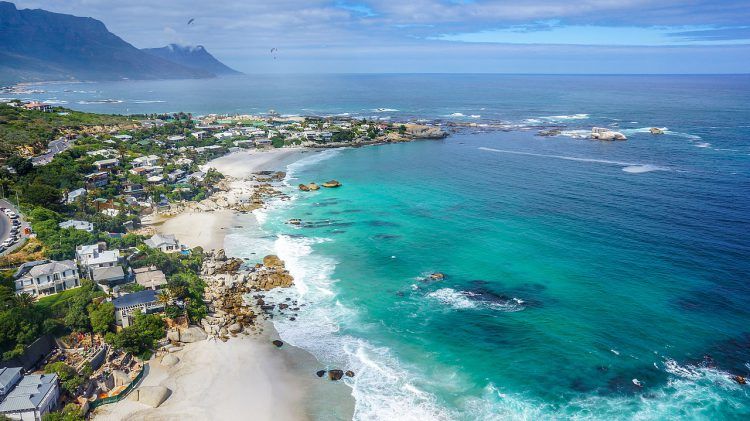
{"type": "Point", "coordinates": [304, 187]}
{"type": "Point", "coordinates": [235, 328]}
{"type": "Point", "coordinates": [332, 184]}
{"type": "Point", "coordinates": [169, 360]}
{"type": "Point", "coordinates": [273, 261]}
{"type": "Point", "coordinates": [189, 335]}
{"type": "Point", "coordinates": [349, 373]}
{"type": "Point", "coordinates": [437, 276]}
{"type": "Point", "coordinates": [278, 343]}
{"type": "Point", "coordinates": [313, 186]}
{"type": "Point", "coordinates": [656, 130]}
{"type": "Point", "coordinates": [221, 255]}
{"type": "Point", "coordinates": [739, 379]}
{"type": "Point", "coordinates": [335, 374]}
{"type": "Point", "coordinates": [153, 396]}
{"type": "Point", "coordinates": [320, 373]}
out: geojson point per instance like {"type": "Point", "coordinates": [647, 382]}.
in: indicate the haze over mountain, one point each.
{"type": "Point", "coordinates": [194, 57]}
{"type": "Point", "coordinates": [41, 45]}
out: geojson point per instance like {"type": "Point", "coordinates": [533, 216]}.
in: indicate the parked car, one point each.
{"type": "Point", "coordinates": [7, 243]}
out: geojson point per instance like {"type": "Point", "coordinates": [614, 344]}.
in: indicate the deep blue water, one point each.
{"type": "Point", "coordinates": [574, 269]}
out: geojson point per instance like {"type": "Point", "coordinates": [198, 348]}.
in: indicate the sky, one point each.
{"type": "Point", "coordinates": [439, 36]}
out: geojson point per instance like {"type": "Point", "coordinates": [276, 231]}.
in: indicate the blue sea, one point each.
{"type": "Point", "coordinates": [583, 279]}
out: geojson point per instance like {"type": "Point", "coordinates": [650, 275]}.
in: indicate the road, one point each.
{"type": "Point", "coordinates": [55, 147]}
{"type": "Point", "coordinates": [6, 224]}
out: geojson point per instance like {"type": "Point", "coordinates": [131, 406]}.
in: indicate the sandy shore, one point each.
{"type": "Point", "coordinates": [246, 377]}
{"type": "Point", "coordinates": [208, 229]}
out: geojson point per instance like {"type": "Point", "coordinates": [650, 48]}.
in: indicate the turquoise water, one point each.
{"type": "Point", "coordinates": [566, 278]}
{"type": "Point", "coordinates": [583, 279]}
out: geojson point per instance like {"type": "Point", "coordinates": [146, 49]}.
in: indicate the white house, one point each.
{"type": "Point", "coordinates": [145, 161]}
{"type": "Point", "coordinates": [145, 301]}
{"type": "Point", "coordinates": [27, 397]}
{"type": "Point", "coordinates": [74, 194]}
{"type": "Point", "coordinates": [49, 278]}
{"type": "Point", "coordinates": [106, 164]}
{"type": "Point", "coordinates": [123, 137]}
{"type": "Point", "coordinates": [165, 243]}
{"type": "Point", "coordinates": [79, 225]}
{"type": "Point", "coordinates": [176, 138]}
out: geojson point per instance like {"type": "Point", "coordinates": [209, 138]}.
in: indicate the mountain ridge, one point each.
{"type": "Point", "coordinates": [38, 45]}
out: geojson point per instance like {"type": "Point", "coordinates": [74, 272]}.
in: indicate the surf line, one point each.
{"type": "Point", "coordinates": [628, 166]}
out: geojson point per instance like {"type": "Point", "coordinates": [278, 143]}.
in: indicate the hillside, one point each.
{"type": "Point", "coordinates": [194, 57]}
{"type": "Point", "coordinates": [27, 132]}
{"type": "Point", "coordinates": [41, 45]}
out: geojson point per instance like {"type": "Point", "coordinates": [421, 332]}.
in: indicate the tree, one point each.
{"type": "Point", "coordinates": [71, 412]}
{"type": "Point", "coordinates": [42, 195]}
{"type": "Point", "coordinates": [70, 380]}
{"type": "Point", "coordinates": [22, 166]}
{"type": "Point", "coordinates": [101, 316]}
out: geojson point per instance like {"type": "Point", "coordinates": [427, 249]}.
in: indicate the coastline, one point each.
{"type": "Point", "coordinates": [225, 380]}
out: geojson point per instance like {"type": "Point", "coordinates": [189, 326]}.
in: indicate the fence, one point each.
{"type": "Point", "coordinates": [120, 396]}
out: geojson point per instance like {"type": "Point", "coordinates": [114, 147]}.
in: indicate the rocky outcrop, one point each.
{"type": "Point", "coordinates": [313, 187]}
{"type": "Point", "coordinates": [304, 187]}
{"type": "Point", "coordinates": [189, 335]}
{"type": "Point", "coordinates": [656, 130]}
{"type": "Point", "coordinates": [227, 283]}
{"type": "Point", "coordinates": [437, 276]}
{"type": "Point", "coordinates": [420, 131]}
{"type": "Point", "coordinates": [600, 133]}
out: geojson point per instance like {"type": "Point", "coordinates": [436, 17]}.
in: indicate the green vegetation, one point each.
{"type": "Point", "coordinates": [69, 378]}
{"type": "Point", "coordinates": [71, 412]}
{"type": "Point", "coordinates": [30, 131]}
{"type": "Point", "coordinates": [21, 322]}
{"type": "Point", "coordinates": [183, 282]}
{"type": "Point", "coordinates": [140, 337]}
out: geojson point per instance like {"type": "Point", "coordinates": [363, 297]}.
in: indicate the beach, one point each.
{"type": "Point", "coordinates": [246, 377]}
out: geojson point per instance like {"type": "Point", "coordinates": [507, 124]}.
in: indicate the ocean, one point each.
{"type": "Point", "coordinates": [583, 279]}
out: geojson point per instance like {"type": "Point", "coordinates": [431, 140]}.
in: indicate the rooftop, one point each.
{"type": "Point", "coordinates": [52, 267]}
{"type": "Point", "coordinates": [29, 393]}
{"type": "Point", "coordinates": [135, 298]}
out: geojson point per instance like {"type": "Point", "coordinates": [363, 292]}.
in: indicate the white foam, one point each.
{"type": "Point", "coordinates": [629, 166]}
{"type": "Point", "coordinates": [385, 110]}
{"type": "Point", "coordinates": [640, 169]}
{"type": "Point", "coordinates": [475, 116]}
{"type": "Point", "coordinates": [457, 115]}
{"type": "Point", "coordinates": [453, 298]}
{"type": "Point", "coordinates": [703, 145]}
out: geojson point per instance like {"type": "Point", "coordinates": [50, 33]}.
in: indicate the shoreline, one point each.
{"type": "Point", "coordinates": [224, 380]}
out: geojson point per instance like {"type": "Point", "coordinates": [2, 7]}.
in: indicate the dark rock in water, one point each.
{"type": "Point", "coordinates": [291, 319]}
{"type": "Point", "coordinates": [386, 236]}
{"type": "Point", "coordinates": [287, 299]}
{"type": "Point", "coordinates": [283, 306]}
{"type": "Point", "coordinates": [739, 379]}
{"type": "Point", "coordinates": [550, 132]}
{"type": "Point", "coordinates": [278, 343]}
{"type": "Point", "coordinates": [349, 373]}
{"type": "Point", "coordinates": [437, 276]}
{"type": "Point", "coordinates": [382, 224]}
{"type": "Point", "coordinates": [335, 374]}
{"type": "Point", "coordinates": [320, 373]}
{"type": "Point", "coordinates": [268, 307]}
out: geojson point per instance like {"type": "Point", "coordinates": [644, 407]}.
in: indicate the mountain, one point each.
{"type": "Point", "coordinates": [41, 45]}
{"type": "Point", "coordinates": [193, 57]}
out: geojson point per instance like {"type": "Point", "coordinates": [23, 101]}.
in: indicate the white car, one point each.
{"type": "Point", "coordinates": [7, 243]}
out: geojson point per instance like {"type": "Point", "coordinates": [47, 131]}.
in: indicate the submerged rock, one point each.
{"type": "Point", "coordinates": [349, 373]}
{"type": "Point", "coordinates": [320, 373]}
{"type": "Point", "coordinates": [278, 343]}
{"type": "Point", "coordinates": [739, 379]}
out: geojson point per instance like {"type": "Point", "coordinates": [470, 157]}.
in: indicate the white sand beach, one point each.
{"type": "Point", "coordinates": [246, 378]}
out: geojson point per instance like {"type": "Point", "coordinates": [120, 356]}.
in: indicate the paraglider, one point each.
{"type": "Point", "coordinates": [191, 21]}
{"type": "Point", "coordinates": [274, 50]}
